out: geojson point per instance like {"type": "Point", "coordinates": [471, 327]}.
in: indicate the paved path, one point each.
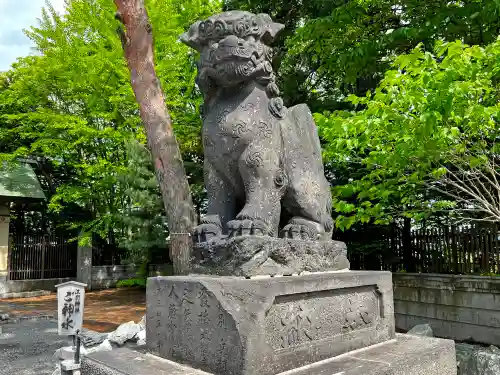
{"type": "Point", "coordinates": [27, 347]}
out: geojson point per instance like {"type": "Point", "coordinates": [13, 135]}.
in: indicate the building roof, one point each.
{"type": "Point", "coordinates": [18, 181]}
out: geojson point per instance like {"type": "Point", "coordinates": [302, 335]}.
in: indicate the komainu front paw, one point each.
{"type": "Point", "coordinates": [247, 227]}
{"type": "Point", "coordinates": [209, 228]}
{"type": "Point", "coordinates": [302, 229]}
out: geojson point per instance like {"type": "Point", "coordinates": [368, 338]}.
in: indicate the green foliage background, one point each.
{"type": "Point", "coordinates": [71, 107]}
{"type": "Point", "coordinates": [401, 94]}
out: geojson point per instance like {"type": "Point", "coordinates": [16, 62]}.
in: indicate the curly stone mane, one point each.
{"type": "Point", "coordinates": [234, 50]}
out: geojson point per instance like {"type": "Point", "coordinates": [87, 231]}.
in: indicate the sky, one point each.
{"type": "Point", "coordinates": [15, 16]}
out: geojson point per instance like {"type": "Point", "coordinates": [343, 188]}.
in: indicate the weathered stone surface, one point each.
{"type": "Point", "coordinates": [477, 360]}
{"type": "Point", "coordinates": [142, 322]}
{"type": "Point", "coordinates": [263, 168]}
{"type": "Point", "coordinates": [124, 361]}
{"type": "Point", "coordinates": [69, 366]}
{"type": "Point", "coordinates": [141, 338]}
{"type": "Point", "coordinates": [407, 355]}
{"type": "Point", "coordinates": [421, 330]}
{"type": "Point", "coordinates": [91, 338]}
{"type": "Point", "coordinates": [68, 352]}
{"type": "Point", "coordinates": [463, 352]}
{"type": "Point", "coordinates": [231, 325]}
{"type": "Point", "coordinates": [124, 332]}
{"type": "Point", "coordinates": [105, 346]}
{"type": "Point", "coordinates": [253, 255]}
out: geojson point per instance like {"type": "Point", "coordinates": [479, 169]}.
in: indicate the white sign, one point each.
{"type": "Point", "coordinates": [70, 300]}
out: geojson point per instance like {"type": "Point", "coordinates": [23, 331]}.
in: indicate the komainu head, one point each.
{"type": "Point", "coordinates": [234, 49]}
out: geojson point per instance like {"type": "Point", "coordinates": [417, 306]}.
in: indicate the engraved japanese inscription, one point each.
{"type": "Point", "coordinates": [298, 326]}
{"type": "Point", "coordinates": [239, 326]}
{"type": "Point", "coordinates": [192, 328]}
{"type": "Point", "coordinates": [299, 319]}
{"type": "Point", "coordinates": [70, 305]}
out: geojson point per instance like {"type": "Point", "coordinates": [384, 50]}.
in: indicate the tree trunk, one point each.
{"type": "Point", "coordinates": [138, 46]}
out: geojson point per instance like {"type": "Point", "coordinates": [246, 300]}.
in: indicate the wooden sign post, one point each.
{"type": "Point", "coordinates": [70, 304]}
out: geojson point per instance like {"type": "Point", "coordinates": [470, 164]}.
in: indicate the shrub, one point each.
{"type": "Point", "coordinates": [131, 283]}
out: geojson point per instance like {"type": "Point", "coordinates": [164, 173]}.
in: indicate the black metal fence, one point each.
{"type": "Point", "coordinates": [455, 250]}
{"type": "Point", "coordinates": [34, 256]}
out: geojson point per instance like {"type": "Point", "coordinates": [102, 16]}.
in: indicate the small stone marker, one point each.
{"type": "Point", "coordinates": [70, 302]}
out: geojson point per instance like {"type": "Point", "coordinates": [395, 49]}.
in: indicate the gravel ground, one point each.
{"type": "Point", "coordinates": [27, 347]}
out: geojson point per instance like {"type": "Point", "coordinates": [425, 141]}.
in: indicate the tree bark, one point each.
{"type": "Point", "coordinates": [137, 41]}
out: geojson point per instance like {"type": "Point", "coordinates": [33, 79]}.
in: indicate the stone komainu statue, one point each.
{"type": "Point", "coordinates": [263, 169]}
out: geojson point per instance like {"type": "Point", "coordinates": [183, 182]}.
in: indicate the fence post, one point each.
{"type": "Point", "coordinates": [4, 240]}
{"type": "Point", "coordinates": [408, 259]}
{"type": "Point", "coordinates": [44, 249]}
{"type": "Point", "coordinates": [84, 265]}
{"type": "Point", "coordinates": [454, 249]}
{"type": "Point", "coordinates": [484, 240]}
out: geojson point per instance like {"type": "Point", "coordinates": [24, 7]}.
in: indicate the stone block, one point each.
{"type": "Point", "coordinates": [238, 326]}
{"type": "Point", "coordinates": [405, 355]}
{"type": "Point", "coordinates": [84, 265]}
{"type": "Point", "coordinates": [125, 332]}
{"type": "Point", "coordinates": [421, 330]}
{"type": "Point", "coordinates": [253, 255]}
{"type": "Point", "coordinates": [124, 361]}
{"type": "Point", "coordinates": [69, 367]}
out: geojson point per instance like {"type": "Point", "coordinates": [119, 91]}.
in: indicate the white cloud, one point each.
{"type": "Point", "coordinates": [17, 15]}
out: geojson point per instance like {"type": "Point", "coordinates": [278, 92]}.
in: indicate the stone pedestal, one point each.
{"type": "Point", "coordinates": [326, 323]}
{"type": "Point", "coordinates": [238, 326]}
{"type": "Point", "coordinates": [406, 355]}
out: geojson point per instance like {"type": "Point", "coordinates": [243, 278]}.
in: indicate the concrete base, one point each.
{"type": "Point", "coordinates": [19, 286]}
{"type": "Point", "coordinates": [69, 367]}
{"type": "Point", "coordinates": [34, 293]}
{"type": "Point", "coordinates": [406, 355]}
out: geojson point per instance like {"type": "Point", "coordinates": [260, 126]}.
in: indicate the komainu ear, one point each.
{"type": "Point", "coordinates": [192, 37]}
{"type": "Point", "coordinates": [271, 32]}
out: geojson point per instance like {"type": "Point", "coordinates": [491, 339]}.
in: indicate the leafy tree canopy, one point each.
{"type": "Point", "coordinates": [71, 107]}
{"type": "Point", "coordinates": [334, 48]}
{"type": "Point", "coordinates": [432, 114]}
